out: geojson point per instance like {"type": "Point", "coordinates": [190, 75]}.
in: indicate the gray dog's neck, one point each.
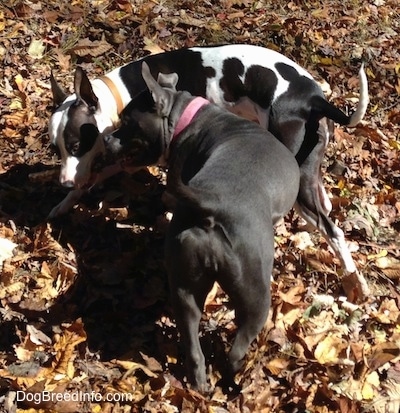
{"type": "Point", "coordinates": [182, 99]}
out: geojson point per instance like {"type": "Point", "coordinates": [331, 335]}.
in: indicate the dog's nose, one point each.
{"type": "Point", "coordinates": [108, 139]}
{"type": "Point", "coordinates": [68, 184]}
{"type": "Point", "coordinates": [112, 143]}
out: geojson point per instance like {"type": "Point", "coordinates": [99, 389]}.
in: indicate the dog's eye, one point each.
{"type": "Point", "coordinates": [57, 150]}
{"type": "Point", "coordinates": [73, 148]}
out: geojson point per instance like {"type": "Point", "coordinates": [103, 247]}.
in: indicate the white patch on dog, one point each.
{"type": "Point", "coordinates": [120, 85]}
{"type": "Point", "coordinates": [68, 173]}
{"type": "Point", "coordinates": [214, 93]}
{"type": "Point", "coordinates": [59, 119]}
{"type": "Point", "coordinates": [265, 57]}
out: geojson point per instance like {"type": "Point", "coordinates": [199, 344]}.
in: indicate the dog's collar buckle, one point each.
{"type": "Point", "coordinates": [189, 113]}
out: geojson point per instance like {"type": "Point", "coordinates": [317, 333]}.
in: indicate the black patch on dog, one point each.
{"type": "Point", "coordinates": [289, 73]}
{"type": "Point", "coordinates": [210, 72]}
{"type": "Point", "coordinates": [230, 82]}
{"type": "Point", "coordinates": [81, 131]}
{"type": "Point", "coordinates": [298, 85]}
{"type": "Point", "coordinates": [259, 82]}
{"type": "Point", "coordinates": [188, 64]}
{"type": "Point", "coordinates": [301, 89]}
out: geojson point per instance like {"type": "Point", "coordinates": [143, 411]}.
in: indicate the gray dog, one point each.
{"type": "Point", "coordinates": [232, 180]}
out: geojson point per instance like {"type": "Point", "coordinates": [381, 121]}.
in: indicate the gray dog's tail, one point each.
{"type": "Point", "coordinates": [194, 198]}
{"type": "Point", "coordinates": [178, 189]}
{"type": "Point", "coordinates": [200, 202]}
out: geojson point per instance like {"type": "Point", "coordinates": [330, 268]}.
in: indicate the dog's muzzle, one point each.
{"type": "Point", "coordinates": [112, 143]}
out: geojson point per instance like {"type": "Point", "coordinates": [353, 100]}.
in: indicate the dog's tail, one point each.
{"type": "Point", "coordinates": [322, 108]}
{"type": "Point", "coordinates": [198, 201]}
{"type": "Point", "coordinates": [326, 109]}
{"type": "Point", "coordinates": [190, 196]}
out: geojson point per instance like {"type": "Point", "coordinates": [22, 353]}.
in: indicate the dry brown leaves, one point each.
{"type": "Point", "coordinates": [85, 321]}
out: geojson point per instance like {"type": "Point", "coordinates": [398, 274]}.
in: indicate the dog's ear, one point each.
{"type": "Point", "coordinates": [83, 89]}
{"type": "Point", "coordinates": [58, 93]}
{"type": "Point", "coordinates": [169, 80]}
{"type": "Point", "coordinates": [161, 97]}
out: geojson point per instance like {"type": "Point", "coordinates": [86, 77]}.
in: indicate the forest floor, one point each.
{"type": "Point", "coordinates": [84, 298]}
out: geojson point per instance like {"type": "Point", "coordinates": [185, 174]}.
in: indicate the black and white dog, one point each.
{"type": "Point", "coordinates": [222, 227]}
{"type": "Point", "coordinates": [253, 82]}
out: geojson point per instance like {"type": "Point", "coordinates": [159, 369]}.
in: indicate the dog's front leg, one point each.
{"type": "Point", "coordinates": [73, 197]}
{"type": "Point", "coordinates": [66, 204]}
{"type": "Point", "coordinates": [114, 169]}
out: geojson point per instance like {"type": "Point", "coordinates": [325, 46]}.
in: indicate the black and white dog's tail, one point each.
{"type": "Point", "coordinates": [326, 109]}
{"type": "Point", "coordinates": [321, 108]}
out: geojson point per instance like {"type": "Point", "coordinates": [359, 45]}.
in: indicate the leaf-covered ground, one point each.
{"type": "Point", "coordinates": [84, 299]}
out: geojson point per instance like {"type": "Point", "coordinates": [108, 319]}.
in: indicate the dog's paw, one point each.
{"type": "Point", "coordinates": [57, 211]}
{"type": "Point", "coordinates": [66, 204]}
{"type": "Point", "coordinates": [229, 386]}
{"type": "Point", "coordinates": [61, 209]}
{"type": "Point", "coordinates": [355, 287]}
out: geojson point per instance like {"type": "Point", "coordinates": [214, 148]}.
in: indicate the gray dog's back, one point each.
{"type": "Point", "coordinates": [238, 163]}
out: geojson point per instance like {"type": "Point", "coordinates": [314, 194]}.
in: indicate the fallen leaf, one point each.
{"type": "Point", "coordinates": [132, 366]}
{"type": "Point", "coordinates": [302, 240]}
{"type": "Point", "coordinates": [276, 365]}
{"type": "Point", "coordinates": [370, 386]}
{"type": "Point", "coordinates": [87, 47]}
{"type": "Point", "coordinates": [36, 49]}
{"type": "Point", "coordinates": [6, 249]}
{"type": "Point", "coordinates": [72, 335]}
{"type": "Point", "coordinates": [151, 47]}
{"type": "Point", "coordinates": [328, 350]}
{"type": "Point", "coordinates": [381, 354]}
{"type": "Point", "coordinates": [36, 336]}
{"type": "Point", "coordinates": [388, 312]}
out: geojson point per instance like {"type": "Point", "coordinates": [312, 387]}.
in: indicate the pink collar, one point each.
{"type": "Point", "coordinates": [188, 114]}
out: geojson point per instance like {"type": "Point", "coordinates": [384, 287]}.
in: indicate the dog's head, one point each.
{"type": "Point", "coordinates": [73, 129]}
{"type": "Point", "coordinates": [146, 122]}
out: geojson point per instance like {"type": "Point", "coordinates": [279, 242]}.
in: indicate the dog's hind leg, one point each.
{"type": "Point", "coordinates": [189, 284]}
{"type": "Point", "coordinates": [250, 314]}
{"type": "Point", "coordinates": [333, 235]}
{"type": "Point", "coordinates": [188, 308]}
{"type": "Point", "coordinates": [312, 205]}
{"type": "Point", "coordinates": [250, 297]}
{"type": "Point", "coordinates": [325, 132]}
{"type": "Point", "coordinates": [353, 282]}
